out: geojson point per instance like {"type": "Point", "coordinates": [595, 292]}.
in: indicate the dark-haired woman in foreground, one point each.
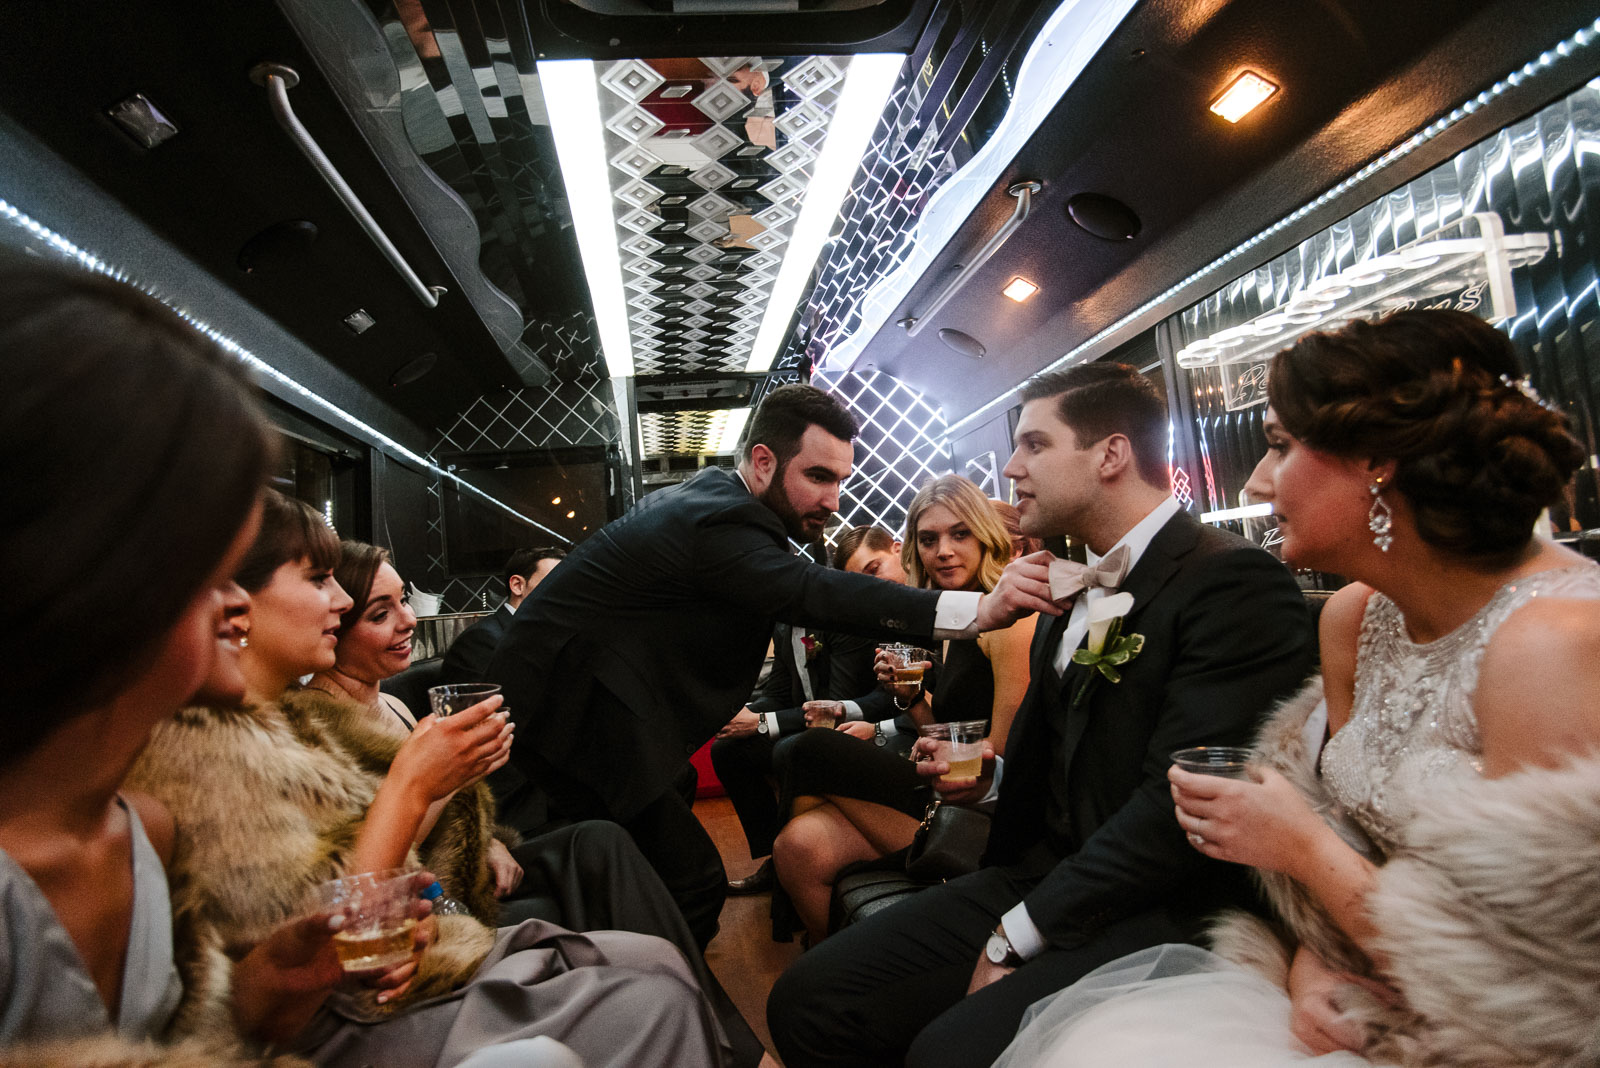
{"type": "Point", "coordinates": [1442, 907]}
{"type": "Point", "coordinates": [117, 552]}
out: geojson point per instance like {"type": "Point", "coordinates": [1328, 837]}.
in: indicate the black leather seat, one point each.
{"type": "Point", "coordinates": [411, 685]}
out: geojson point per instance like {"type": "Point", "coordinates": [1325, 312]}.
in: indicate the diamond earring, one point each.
{"type": "Point", "coordinates": [1380, 519]}
{"type": "Point", "coordinates": [244, 641]}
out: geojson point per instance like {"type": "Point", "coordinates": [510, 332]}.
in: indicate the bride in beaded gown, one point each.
{"type": "Point", "coordinates": [1406, 455]}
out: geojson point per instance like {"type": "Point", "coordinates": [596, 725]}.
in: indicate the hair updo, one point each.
{"type": "Point", "coordinates": [1475, 457]}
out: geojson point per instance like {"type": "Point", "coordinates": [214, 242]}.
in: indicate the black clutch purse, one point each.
{"type": "Point", "coordinates": [949, 842]}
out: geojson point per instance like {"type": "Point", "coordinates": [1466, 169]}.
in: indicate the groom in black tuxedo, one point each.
{"type": "Point", "coordinates": [648, 639]}
{"type": "Point", "coordinates": [1086, 862]}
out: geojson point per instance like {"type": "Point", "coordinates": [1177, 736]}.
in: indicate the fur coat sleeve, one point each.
{"type": "Point", "coordinates": [1488, 915]}
{"type": "Point", "coordinates": [456, 850]}
{"type": "Point", "coordinates": [268, 803]}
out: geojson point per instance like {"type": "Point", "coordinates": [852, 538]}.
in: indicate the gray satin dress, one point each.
{"type": "Point", "coordinates": [46, 992]}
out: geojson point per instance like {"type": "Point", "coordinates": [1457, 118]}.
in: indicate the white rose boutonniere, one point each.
{"type": "Point", "coordinates": [1107, 648]}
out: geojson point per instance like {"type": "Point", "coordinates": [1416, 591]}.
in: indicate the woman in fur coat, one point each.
{"type": "Point", "coordinates": [586, 876]}
{"type": "Point", "coordinates": [1437, 878]}
{"type": "Point", "coordinates": [273, 797]}
{"type": "Point", "coordinates": [117, 556]}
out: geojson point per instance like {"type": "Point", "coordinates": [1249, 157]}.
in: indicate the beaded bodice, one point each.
{"type": "Point", "coordinates": [1412, 721]}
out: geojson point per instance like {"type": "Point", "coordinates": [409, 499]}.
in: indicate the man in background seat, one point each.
{"type": "Point", "coordinates": [469, 655]}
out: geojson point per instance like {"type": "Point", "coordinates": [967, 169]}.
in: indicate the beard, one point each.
{"type": "Point", "coordinates": [804, 529]}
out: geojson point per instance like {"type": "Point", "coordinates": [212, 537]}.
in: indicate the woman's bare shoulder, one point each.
{"type": "Point", "coordinates": [1536, 699]}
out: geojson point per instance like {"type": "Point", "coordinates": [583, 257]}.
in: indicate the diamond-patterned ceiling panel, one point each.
{"type": "Point", "coordinates": [709, 158]}
{"type": "Point", "coordinates": [682, 433]}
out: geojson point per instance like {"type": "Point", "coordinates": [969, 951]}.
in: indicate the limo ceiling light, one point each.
{"type": "Point", "coordinates": [580, 146]}
{"type": "Point", "coordinates": [866, 92]}
{"type": "Point", "coordinates": [732, 429]}
{"type": "Point", "coordinates": [1582, 40]}
{"type": "Point", "coordinates": [1020, 289]}
{"type": "Point", "coordinates": [89, 261]}
{"type": "Point", "coordinates": [1242, 96]}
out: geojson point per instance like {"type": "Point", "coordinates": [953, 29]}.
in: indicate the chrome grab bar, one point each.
{"type": "Point", "coordinates": [1023, 191]}
{"type": "Point", "coordinates": [278, 79]}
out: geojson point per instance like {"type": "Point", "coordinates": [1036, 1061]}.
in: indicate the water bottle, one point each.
{"type": "Point", "coordinates": [443, 906]}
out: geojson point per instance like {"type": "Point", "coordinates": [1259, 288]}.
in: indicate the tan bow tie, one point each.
{"type": "Point", "coordinates": [1068, 579]}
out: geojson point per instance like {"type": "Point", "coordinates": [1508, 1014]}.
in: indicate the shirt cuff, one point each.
{"type": "Point", "coordinates": [955, 615]}
{"type": "Point", "coordinates": [994, 784]}
{"type": "Point", "coordinates": [1021, 932]}
{"type": "Point", "coordinates": [888, 728]}
{"type": "Point", "coordinates": [771, 720]}
{"type": "Point", "coordinates": [852, 711]}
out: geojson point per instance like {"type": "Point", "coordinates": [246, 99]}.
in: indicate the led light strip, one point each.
{"type": "Point", "coordinates": [1584, 38]}
{"type": "Point", "coordinates": [860, 108]}
{"type": "Point", "coordinates": [10, 213]}
{"type": "Point", "coordinates": [581, 149]}
{"type": "Point", "coordinates": [1249, 511]}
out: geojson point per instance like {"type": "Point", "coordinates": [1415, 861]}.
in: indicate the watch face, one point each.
{"type": "Point", "coordinates": [997, 949]}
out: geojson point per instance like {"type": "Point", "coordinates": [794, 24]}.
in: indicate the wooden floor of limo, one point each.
{"type": "Point", "coordinates": [743, 955]}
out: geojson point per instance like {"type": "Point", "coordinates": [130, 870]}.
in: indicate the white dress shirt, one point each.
{"type": "Point", "coordinates": [1020, 929]}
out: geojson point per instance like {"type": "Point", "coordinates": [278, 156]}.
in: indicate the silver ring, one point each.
{"type": "Point", "coordinates": [1196, 839]}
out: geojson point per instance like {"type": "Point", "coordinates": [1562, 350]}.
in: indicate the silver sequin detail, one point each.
{"type": "Point", "coordinates": [1412, 719]}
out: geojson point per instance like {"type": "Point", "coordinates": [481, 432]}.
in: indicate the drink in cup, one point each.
{"type": "Point", "coordinates": [379, 928]}
{"type": "Point", "coordinates": [910, 669]}
{"type": "Point", "coordinates": [960, 744]}
{"type": "Point", "coordinates": [458, 697]}
{"type": "Point", "coordinates": [1223, 761]}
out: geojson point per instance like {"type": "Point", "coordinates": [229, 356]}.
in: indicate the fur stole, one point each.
{"type": "Point", "coordinates": [456, 850]}
{"type": "Point", "coordinates": [1488, 913]}
{"type": "Point", "coordinates": [268, 802]}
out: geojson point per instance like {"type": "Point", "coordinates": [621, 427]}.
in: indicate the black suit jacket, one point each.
{"type": "Point", "coordinates": [1226, 636]}
{"type": "Point", "coordinates": [650, 635]}
{"type": "Point", "coordinates": [468, 656]}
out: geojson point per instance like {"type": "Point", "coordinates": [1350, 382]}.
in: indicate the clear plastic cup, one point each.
{"type": "Point", "coordinates": [458, 697]}
{"type": "Point", "coordinates": [379, 929]}
{"type": "Point", "coordinates": [1223, 761]}
{"type": "Point", "coordinates": [960, 743]}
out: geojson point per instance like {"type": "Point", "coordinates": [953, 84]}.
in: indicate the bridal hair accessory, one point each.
{"type": "Point", "coordinates": [1524, 386]}
{"type": "Point", "coordinates": [1380, 518]}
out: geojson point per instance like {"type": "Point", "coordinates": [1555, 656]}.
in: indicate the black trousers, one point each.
{"type": "Point", "coordinates": [670, 837]}
{"type": "Point", "coordinates": [591, 877]}
{"type": "Point", "coordinates": [892, 989]}
{"type": "Point", "coordinates": [744, 765]}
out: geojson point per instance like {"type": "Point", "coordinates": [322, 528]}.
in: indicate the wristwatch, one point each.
{"type": "Point", "coordinates": [1000, 951]}
{"type": "Point", "coordinates": [878, 737]}
{"type": "Point", "coordinates": [761, 723]}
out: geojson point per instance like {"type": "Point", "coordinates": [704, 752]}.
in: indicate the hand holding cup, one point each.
{"type": "Point", "coordinates": [446, 753]}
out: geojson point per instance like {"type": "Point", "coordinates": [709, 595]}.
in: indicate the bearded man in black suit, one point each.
{"type": "Point", "coordinates": [1086, 861]}
{"type": "Point", "coordinates": [650, 635]}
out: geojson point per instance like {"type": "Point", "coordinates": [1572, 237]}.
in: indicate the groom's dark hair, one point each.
{"type": "Point", "coordinates": [1100, 399]}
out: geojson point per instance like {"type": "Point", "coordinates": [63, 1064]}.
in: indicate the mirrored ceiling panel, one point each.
{"type": "Point", "coordinates": [708, 160]}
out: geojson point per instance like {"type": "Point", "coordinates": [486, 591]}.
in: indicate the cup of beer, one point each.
{"type": "Point", "coordinates": [458, 697]}
{"type": "Point", "coordinates": [380, 922]}
{"type": "Point", "coordinates": [1223, 761]}
{"type": "Point", "coordinates": [960, 744]}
